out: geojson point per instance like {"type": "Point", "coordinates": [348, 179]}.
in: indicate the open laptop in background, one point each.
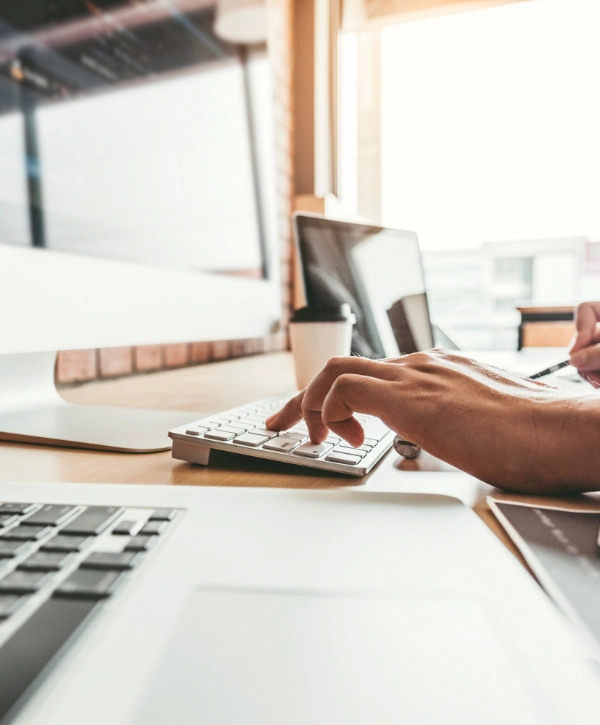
{"type": "Point", "coordinates": [378, 272]}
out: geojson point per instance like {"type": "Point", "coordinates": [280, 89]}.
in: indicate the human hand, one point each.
{"type": "Point", "coordinates": [585, 348]}
{"type": "Point", "coordinates": [476, 417]}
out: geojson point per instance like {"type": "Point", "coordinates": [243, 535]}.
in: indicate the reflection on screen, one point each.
{"type": "Point", "coordinates": [378, 273]}
{"type": "Point", "coordinates": [14, 222]}
{"type": "Point", "coordinates": [158, 172]}
{"type": "Point", "coordinates": [142, 136]}
{"type": "Point", "coordinates": [390, 272]}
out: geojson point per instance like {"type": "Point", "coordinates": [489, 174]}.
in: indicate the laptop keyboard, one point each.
{"type": "Point", "coordinates": [58, 564]}
{"type": "Point", "coordinates": [242, 430]}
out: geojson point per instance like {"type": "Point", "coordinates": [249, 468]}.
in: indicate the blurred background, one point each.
{"type": "Point", "coordinates": [141, 130]}
{"type": "Point", "coordinates": [479, 130]}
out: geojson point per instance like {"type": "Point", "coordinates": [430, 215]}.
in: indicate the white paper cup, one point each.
{"type": "Point", "coordinates": [317, 335]}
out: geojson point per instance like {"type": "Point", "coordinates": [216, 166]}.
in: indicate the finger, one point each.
{"type": "Point", "coordinates": [586, 319]}
{"type": "Point", "coordinates": [351, 394]}
{"type": "Point", "coordinates": [320, 386]}
{"type": "Point", "coordinates": [288, 416]}
{"type": "Point", "coordinates": [586, 360]}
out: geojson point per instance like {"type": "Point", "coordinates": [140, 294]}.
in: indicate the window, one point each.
{"type": "Point", "coordinates": [486, 143]}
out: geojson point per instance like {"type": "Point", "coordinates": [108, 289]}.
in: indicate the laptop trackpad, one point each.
{"type": "Point", "coordinates": [256, 657]}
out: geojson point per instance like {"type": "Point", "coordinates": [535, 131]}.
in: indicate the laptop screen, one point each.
{"type": "Point", "coordinates": [378, 272]}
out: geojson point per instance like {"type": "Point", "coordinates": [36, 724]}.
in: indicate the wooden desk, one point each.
{"type": "Point", "coordinates": [211, 388]}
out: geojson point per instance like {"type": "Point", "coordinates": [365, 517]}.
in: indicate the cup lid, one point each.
{"type": "Point", "coordinates": [324, 313]}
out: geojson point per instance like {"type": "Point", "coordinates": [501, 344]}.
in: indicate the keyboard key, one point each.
{"type": "Point", "coordinates": [264, 432]}
{"type": "Point", "coordinates": [89, 584]}
{"type": "Point", "coordinates": [10, 549]}
{"type": "Point", "coordinates": [251, 439]}
{"type": "Point", "coordinates": [343, 458]}
{"type": "Point", "coordinates": [370, 442]}
{"type": "Point", "coordinates": [16, 508]}
{"type": "Point", "coordinates": [127, 528]}
{"type": "Point", "coordinates": [163, 515]}
{"type": "Point", "coordinates": [349, 448]}
{"type": "Point", "coordinates": [7, 519]}
{"type": "Point", "coordinates": [153, 527]}
{"type": "Point", "coordinates": [23, 582]}
{"type": "Point", "coordinates": [46, 561]}
{"type": "Point", "coordinates": [332, 439]}
{"type": "Point", "coordinates": [281, 445]}
{"type": "Point", "coordinates": [27, 533]}
{"type": "Point", "coordinates": [9, 603]}
{"type": "Point", "coordinates": [233, 429]}
{"type": "Point", "coordinates": [66, 543]}
{"type": "Point", "coordinates": [110, 560]}
{"type": "Point", "coordinates": [49, 515]}
{"type": "Point", "coordinates": [313, 450]}
{"type": "Point", "coordinates": [192, 432]}
{"type": "Point", "coordinates": [141, 543]}
{"type": "Point", "coordinates": [350, 451]}
{"type": "Point", "coordinates": [295, 436]}
{"type": "Point", "coordinates": [374, 428]}
{"type": "Point", "coordinates": [219, 435]}
{"type": "Point", "coordinates": [248, 425]}
{"type": "Point", "coordinates": [93, 521]}
{"type": "Point", "coordinates": [28, 652]}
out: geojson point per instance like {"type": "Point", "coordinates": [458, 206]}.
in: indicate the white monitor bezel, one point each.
{"type": "Point", "coordinates": [56, 301]}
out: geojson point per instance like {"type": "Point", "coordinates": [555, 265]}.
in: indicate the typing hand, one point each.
{"type": "Point", "coordinates": [473, 416]}
{"type": "Point", "coordinates": [585, 349]}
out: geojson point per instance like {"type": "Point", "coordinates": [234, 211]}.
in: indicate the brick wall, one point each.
{"type": "Point", "coordinates": [77, 366]}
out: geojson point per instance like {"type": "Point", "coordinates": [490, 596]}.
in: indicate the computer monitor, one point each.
{"type": "Point", "coordinates": [137, 200]}
{"type": "Point", "coordinates": [377, 271]}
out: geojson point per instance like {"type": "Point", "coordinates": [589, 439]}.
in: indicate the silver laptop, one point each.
{"type": "Point", "coordinates": [374, 269]}
{"type": "Point", "coordinates": [178, 605]}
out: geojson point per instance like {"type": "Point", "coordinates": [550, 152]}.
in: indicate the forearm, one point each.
{"type": "Point", "coordinates": [556, 448]}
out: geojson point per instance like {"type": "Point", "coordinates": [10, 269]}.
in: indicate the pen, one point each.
{"type": "Point", "coordinates": [550, 370]}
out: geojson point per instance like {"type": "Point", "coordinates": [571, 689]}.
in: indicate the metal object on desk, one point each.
{"type": "Point", "coordinates": [406, 448]}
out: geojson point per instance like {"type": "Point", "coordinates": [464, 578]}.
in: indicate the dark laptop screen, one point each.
{"type": "Point", "coordinates": [378, 272]}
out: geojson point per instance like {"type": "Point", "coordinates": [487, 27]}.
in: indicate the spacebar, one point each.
{"type": "Point", "coordinates": [31, 648]}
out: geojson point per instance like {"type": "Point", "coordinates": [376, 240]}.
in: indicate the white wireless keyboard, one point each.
{"type": "Point", "coordinates": [242, 430]}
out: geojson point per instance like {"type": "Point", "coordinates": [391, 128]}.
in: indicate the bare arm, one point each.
{"type": "Point", "coordinates": [516, 434]}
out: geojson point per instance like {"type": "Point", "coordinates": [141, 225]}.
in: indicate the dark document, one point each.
{"type": "Point", "coordinates": [561, 547]}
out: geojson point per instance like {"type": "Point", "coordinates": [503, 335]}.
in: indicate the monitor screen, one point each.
{"type": "Point", "coordinates": [378, 272]}
{"type": "Point", "coordinates": [131, 131]}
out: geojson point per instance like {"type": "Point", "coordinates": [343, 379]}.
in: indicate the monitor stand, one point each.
{"type": "Point", "coordinates": [32, 411]}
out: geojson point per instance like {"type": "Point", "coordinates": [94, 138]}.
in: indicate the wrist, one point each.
{"type": "Point", "coordinates": [557, 446]}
